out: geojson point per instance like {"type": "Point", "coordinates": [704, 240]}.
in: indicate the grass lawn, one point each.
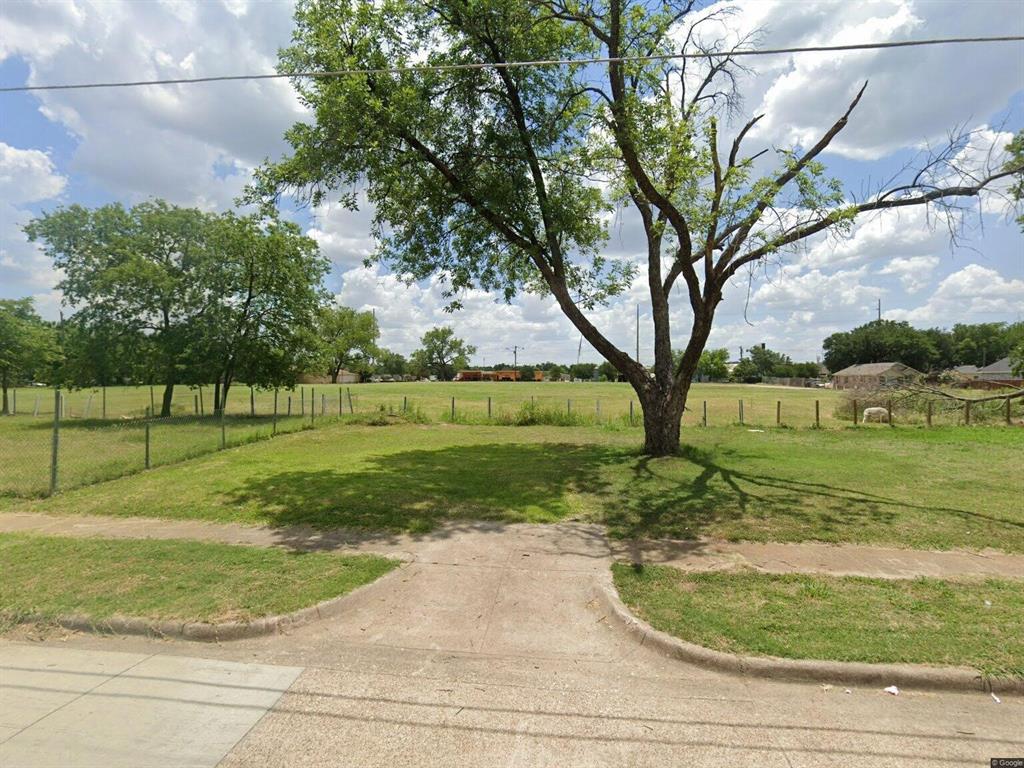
{"type": "Point", "coordinates": [940, 488]}
{"type": "Point", "coordinates": [923, 621]}
{"type": "Point", "coordinates": [178, 580]}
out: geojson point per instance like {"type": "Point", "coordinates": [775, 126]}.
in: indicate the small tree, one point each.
{"type": "Point", "coordinates": [28, 346]}
{"type": "Point", "coordinates": [442, 353]}
{"type": "Point", "coordinates": [607, 371]}
{"type": "Point", "coordinates": [712, 365]}
{"type": "Point", "coordinates": [392, 363]}
{"type": "Point", "coordinates": [348, 340]}
{"type": "Point", "coordinates": [583, 371]}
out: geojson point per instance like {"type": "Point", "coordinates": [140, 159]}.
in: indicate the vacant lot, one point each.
{"type": "Point", "coordinates": [977, 624]}
{"type": "Point", "coordinates": [178, 580]}
{"type": "Point", "coordinates": [938, 488]}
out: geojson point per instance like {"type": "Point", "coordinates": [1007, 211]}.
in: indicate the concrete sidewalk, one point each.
{"type": "Point", "coordinates": [578, 546]}
{"type": "Point", "coordinates": [489, 648]}
{"type": "Point", "coordinates": [61, 707]}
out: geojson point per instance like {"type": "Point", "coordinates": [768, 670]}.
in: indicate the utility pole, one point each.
{"type": "Point", "coordinates": [879, 309]}
{"type": "Point", "coordinates": [514, 349]}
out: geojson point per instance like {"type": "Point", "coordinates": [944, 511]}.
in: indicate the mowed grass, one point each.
{"type": "Point", "coordinates": [940, 488]}
{"type": "Point", "coordinates": [924, 621]}
{"type": "Point", "coordinates": [169, 580]}
{"type": "Point", "coordinates": [92, 449]}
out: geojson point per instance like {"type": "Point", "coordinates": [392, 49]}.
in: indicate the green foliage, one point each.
{"type": "Point", "coordinates": [1017, 360]}
{"type": "Point", "coordinates": [442, 354]}
{"type": "Point", "coordinates": [199, 297]}
{"type": "Point", "coordinates": [391, 363]}
{"type": "Point", "coordinates": [712, 365]}
{"type": "Point", "coordinates": [608, 372]}
{"type": "Point", "coordinates": [348, 340]}
{"type": "Point", "coordinates": [28, 346]}
{"type": "Point", "coordinates": [932, 349]}
{"type": "Point", "coordinates": [746, 372]}
{"type": "Point", "coordinates": [1016, 151]}
{"type": "Point", "coordinates": [582, 371]}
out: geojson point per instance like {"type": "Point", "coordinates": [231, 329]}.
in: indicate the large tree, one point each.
{"type": "Point", "coordinates": [502, 177]}
{"type": "Point", "coordinates": [264, 279]}
{"type": "Point", "coordinates": [137, 269]}
{"type": "Point", "coordinates": [442, 353]}
{"type": "Point", "coordinates": [348, 340]}
{"type": "Point", "coordinates": [28, 346]}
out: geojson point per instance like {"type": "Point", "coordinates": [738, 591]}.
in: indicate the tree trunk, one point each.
{"type": "Point", "coordinates": [4, 410]}
{"type": "Point", "coordinates": [165, 406]}
{"type": "Point", "coordinates": [663, 414]}
{"type": "Point", "coordinates": [216, 397]}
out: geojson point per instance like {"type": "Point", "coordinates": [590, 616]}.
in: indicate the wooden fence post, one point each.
{"type": "Point", "coordinates": [741, 413]}
{"type": "Point", "coordinates": [631, 413]}
{"type": "Point", "coordinates": [778, 413]}
{"type": "Point", "coordinates": [488, 408]}
{"type": "Point", "coordinates": [148, 414]}
{"type": "Point", "coordinates": [349, 393]}
{"type": "Point", "coordinates": [967, 413]}
{"type": "Point", "coordinates": [1008, 411]}
{"type": "Point", "coordinates": [705, 413]}
{"type": "Point", "coordinates": [312, 405]}
{"type": "Point", "coordinates": [104, 406]}
{"type": "Point", "coordinates": [888, 409]}
{"type": "Point", "coordinates": [453, 408]}
{"type": "Point", "coordinates": [252, 401]}
{"type": "Point", "coordinates": [273, 428]}
{"type": "Point", "coordinates": [855, 412]}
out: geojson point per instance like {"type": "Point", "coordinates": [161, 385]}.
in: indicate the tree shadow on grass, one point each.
{"type": "Point", "coordinates": [697, 493]}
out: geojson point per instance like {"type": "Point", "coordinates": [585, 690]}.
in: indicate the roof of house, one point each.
{"type": "Point", "coordinates": [999, 366]}
{"type": "Point", "coordinates": [872, 369]}
{"type": "Point", "coordinates": [966, 369]}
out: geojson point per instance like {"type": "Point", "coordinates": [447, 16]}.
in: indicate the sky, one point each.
{"type": "Point", "coordinates": [196, 145]}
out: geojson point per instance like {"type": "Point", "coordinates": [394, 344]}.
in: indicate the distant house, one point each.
{"type": "Point", "coordinates": [500, 375]}
{"type": "Point", "coordinates": [970, 371]}
{"type": "Point", "coordinates": [344, 377]}
{"type": "Point", "coordinates": [999, 371]}
{"type": "Point", "coordinates": [873, 376]}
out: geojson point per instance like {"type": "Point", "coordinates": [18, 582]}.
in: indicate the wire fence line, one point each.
{"type": "Point", "coordinates": [68, 439]}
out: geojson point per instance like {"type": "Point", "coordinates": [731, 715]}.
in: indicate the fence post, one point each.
{"type": "Point", "coordinates": [195, 404]}
{"type": "Point", "coordinates": [405, 402]}
{"type": "Point", "coordinates": [273, 428]}
{"type": "Point", "coordinates": [1008, 411]}
{"type": "Point", "coordinates": [35, 411]}
{"type": "Point", "coordinates": [302, 400]}
{"type": "Point", "coordinates": [104, 406]}
{"type": "Point", "coordinates": [928, 414]}
{"type": "Point", "coordinates": [888, 409]}
{"type": "Point", "coordinates": [597, 410]}
{"type": "Point", "coordinates": [568, 407]}
{"type": "Point", "coordinates": [488, 408]}
{"type": "Point", "coordinates": [778, 413]}
{"type": "Point", "coordinates": [290, 405]}
{"type": "Point", "coordinates": [14, 402]}
{"type": "Point", "coordinates": [341, 402]}
{"type": "Point", "coordinates": [453, 408]}
{"type": "Point", "coordinates": [705, 413]}
{"type": "Point", "coordinates": [855, 412]}
{"type": "Point", "coordinates": [967, 413]}
{"type": "Point", "coordinates": [348, 392]}
{"type": "Point", "coordinates": [55, 442]}
{"type": "Point", "coordinates": [202, 405]}
{"type": "Point", "coordinates": [148, 414]}
{"type": "Point", "coordinates": [817, 413]}
{"type": "Point", "coordinates": [741, 413]}
{"type": "Point", "coordinates": [631, 413]}
{"type": "Point", "coordinates": [223, 434]}
{"type": "Point", "coordinates": [252, 401]}
{"type": "Point", "coordinates": [312, 405]}
{"type": "Point", "coordinates": [152, 402]}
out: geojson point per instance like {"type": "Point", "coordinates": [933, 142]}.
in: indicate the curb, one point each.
{"type": "Point", "coordinates": [203, 631]}
{"type": "Point", "coordinates": [915, 676]}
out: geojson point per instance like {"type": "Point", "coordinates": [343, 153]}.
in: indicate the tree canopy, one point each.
{"type": "Point", "coordinates": [442, 353]}
{"type": "Point", "coordinates": [348, 340]}
{"type": "Point", "coordinates": [28, 346]}
{"type": "Point", "coordinates": [502, 177]}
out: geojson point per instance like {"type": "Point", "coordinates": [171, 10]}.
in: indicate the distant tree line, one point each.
{"type": "Point", "coordinates": [932, 349]}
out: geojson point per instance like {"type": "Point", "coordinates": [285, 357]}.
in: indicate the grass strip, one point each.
{"type": "Point", "coordinates": [169, 580]}
{"type": "Point", "coordinates": [978, 624]}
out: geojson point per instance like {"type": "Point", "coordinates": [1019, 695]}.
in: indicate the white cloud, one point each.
{"type": "Point", "coordinates": [972, 294]}
{"type": "Point", "coordinates": [914, 272]}
{"type": "Point", "coordinates": [27, 175]}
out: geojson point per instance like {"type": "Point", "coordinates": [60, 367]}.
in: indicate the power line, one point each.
{"type": "Point", "coordinates": [521, 64]}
